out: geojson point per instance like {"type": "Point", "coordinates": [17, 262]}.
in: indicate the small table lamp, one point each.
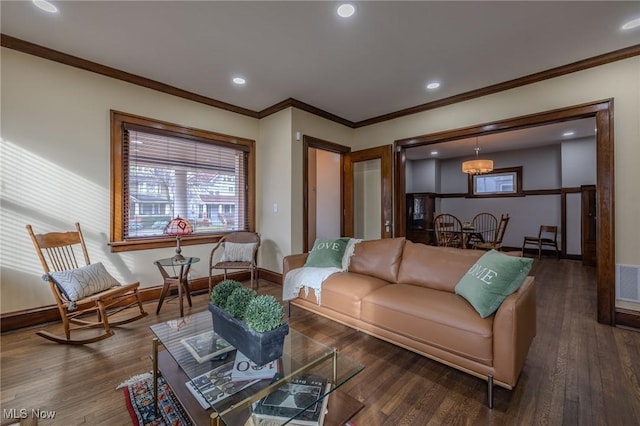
{"type": "Point", "coordinates": [178, 227]}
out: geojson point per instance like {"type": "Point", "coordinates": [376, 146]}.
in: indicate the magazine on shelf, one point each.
{"type": "Point", "coordinates": [245, 369]}
{"type": "Point", "coordinates": [290, 398]}
{"type": "Point", "coordinates": [206, 346]}
{"type": "Point", "coordinates": [216, 385]}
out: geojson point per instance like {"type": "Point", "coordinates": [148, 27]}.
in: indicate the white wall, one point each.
{"type": "Point", "coordinates": [328, 214]}
{"type": "Point", "coordinates": [423, 175]}
{"type": "Point", "coordinates": [578, 162]}
{"type": "Point", "coordinates": [367, 194]}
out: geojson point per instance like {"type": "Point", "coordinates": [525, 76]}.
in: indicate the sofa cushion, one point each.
{"type": "Point", "coordinates": [327, 253]}
{"type": "Point", "coordinates": [343, 292]}
{"type": "Point", "coordinates": [491, 279]}
{"type": "Point", "coordinates": [437, 318]}
{"type": "Point", "coordinates": [439, 268]}
{"type": "Point", "coordinates": [378, 258]}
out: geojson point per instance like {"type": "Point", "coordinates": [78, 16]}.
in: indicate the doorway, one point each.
{"type": "Point", "coordinates": [353, 189]}
{"type": "Point", "coordinates": [604, 232]}
{"type": "Point", "coordinates": [368, 208]}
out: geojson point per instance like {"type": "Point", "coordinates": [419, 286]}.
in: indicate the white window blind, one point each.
{"type": "Point", "coordinates": [168, 175]}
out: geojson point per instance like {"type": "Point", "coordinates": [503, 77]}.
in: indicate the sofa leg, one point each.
{"type": "Point", "coordinates": [490, 391]}
{"type": "Point", "coordinates": [288, 309]}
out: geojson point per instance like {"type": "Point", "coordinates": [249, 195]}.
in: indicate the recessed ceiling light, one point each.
{"type": "Point", "coordinates": [434, 152]}
{"type": "Point", "coordinates": [433, 85]}
{"type": "Point", "coordinates": [631, 24]}
{"type": "Point", "coordinates": [569, 133]}
{"type": "Point", "coordinates": [346, 10]}
{"type": "Point", "coordinates": [45, 5]}
{"type": "Point", "coordinates": [239, 81]}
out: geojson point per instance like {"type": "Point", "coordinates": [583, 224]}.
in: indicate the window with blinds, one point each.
{"type": "Point", "coordinates": [169, 171]}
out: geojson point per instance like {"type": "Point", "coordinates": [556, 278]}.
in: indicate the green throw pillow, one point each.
{"type": "Point", "coordinates": [491, 279]}
{"type": "Point", "coordinates": [326, 253]}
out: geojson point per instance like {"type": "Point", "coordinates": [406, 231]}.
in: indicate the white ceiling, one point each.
{"type": "Point", "coordinates": [374, 63]}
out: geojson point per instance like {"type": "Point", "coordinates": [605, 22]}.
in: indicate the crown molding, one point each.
{"type": "Point", "coordinates": [291, 102]}
{"type": "Point", "coordinates": [63, 58]}
{"type": "Point", "coordinates": [595, 61]}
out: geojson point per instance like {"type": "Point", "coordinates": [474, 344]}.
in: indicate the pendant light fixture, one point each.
{"type": "Point", "coordinates": [477, 166]}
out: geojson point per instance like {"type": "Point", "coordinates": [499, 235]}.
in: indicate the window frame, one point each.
{"type": "Point", "coordinates": [117, 242]}
{"type": "Point", "coordinates": [518, 183]}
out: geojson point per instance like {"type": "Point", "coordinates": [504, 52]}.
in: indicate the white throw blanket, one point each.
{"type": "Point", "coordinates": [311, 277]}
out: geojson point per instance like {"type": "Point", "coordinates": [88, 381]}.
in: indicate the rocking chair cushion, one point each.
{"type": "Point", "coordinates": [79, 283]}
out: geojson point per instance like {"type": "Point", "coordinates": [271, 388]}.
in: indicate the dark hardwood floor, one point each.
{"type": "Point", "coordinates": [578, 372]}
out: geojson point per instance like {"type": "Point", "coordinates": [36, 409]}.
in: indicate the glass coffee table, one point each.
{"type": "Point", "coordinates": [184, 363]}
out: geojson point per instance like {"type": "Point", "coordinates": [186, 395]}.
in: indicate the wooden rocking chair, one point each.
{"type": "Point", "coordinates": [57, 253]}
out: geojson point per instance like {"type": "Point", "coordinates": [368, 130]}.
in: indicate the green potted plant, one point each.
{"type": "Point", "coordinates": [222, 291]}
{"type": "Point", "coordinates": [238, 301]}
{"type": "Point", "coordinates": [254, 324]}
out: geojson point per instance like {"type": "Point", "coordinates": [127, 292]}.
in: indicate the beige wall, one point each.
{"type": "Point", "coordinates": [274, 180]}
{"type": "Point", "coordinates": [55, 158]}
{"type": "Point", "coordinates": [55, 166]}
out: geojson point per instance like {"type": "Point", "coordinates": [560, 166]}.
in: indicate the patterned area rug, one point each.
{"type": "Point", "coordinates": [138, 394]}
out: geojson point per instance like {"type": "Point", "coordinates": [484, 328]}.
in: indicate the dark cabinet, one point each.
{"type": "Point", "coordinates": [420, 208]}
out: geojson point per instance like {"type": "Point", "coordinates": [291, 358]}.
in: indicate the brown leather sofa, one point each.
{"type": "Point", "coordinates": [403, 292]}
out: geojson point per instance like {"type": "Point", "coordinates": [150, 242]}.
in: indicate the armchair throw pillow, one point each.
{"type": "Point", "coordinates": [491, 279]}
{"type": "Point", "coordinates": [85, 281]}
{"type": "Point", "coordinates": [238, 252]}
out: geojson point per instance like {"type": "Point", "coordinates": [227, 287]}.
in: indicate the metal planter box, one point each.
{"type": "Point", "coordinates": [261, 348]}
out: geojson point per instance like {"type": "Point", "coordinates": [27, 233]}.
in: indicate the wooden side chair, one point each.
{"type": "Point", "coordinates": [496, 242]}
{"type": "Point", "coordinates": [484, 229]}
{"type": "Point", "coordinates": [547, 237]}
{"type": "Point", "coordinates": [448, 230]}
{"type": "Point", "coordinates": [239, 251]}
{"type": "Point", "coordinates": [81, 289]}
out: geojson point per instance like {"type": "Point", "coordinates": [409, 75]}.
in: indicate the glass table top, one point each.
{"type": "Point", "coordinates": [170, 261]}
{"type": "Point", "coordinates": [208, 363]}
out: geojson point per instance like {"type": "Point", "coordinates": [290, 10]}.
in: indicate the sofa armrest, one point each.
{"type": "Point", "coordinates": [293, 261]}
{"type": "Point", "coordinates": [514, 327]}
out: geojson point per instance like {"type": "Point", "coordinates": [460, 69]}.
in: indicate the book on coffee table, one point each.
{"type": "Point", "coordinates": [206, 346]}
{"type": "Point", "coordinates": [290, 398]}
{"type": "Point", "coordinates": [216, 385]}
{"type": "Point", "coordinates": [245, 369]}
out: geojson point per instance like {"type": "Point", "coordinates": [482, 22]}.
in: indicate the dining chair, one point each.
{"type": "Point", "coordinates": [484, 229]}
{"type": "Point", "coordinates": [80, 289]}
{"type": "Point", "coordinates": [496, 242]}
{"type": "Point", "coordinates": [239, 251]}
{"type": "Point", "coordinates": [448, 230]}
{"type": "Point", "coordinates": [547, 236]}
